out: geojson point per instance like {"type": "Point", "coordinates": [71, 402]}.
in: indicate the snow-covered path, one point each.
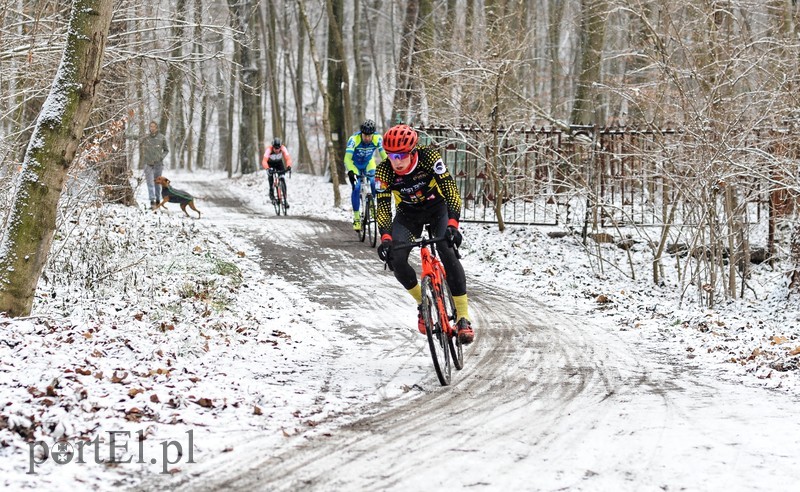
{"type": "Point", "coordinates": [545, 402]}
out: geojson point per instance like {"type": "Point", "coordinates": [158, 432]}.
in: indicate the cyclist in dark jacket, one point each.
{"type": "Point", "coordinates": [425, 193]}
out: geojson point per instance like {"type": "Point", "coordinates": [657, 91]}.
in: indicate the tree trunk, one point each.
{"type": "Point", "coordinates": [222, 102]}
{"type": "Point", "coordinates": [243, 16]}
{"type": "Point", "coordinates": [402, 94]}
{"type": "Point", "coordinates": [272, 75]}
{"type": "Point", "coordinates": [338, 85]}
{"type": "Point", "coordinates": [114, 171]}
{"type": "Point", "coordinates": [362, 63]}
{"type": "Point", "coordinates": [555, 15]}
{"type": "Point", "coordinates": [230, 110]}
{"type": "Point", "coordinates": [25, 245]}
{"type": "Point", "coordinates": [303, 154]}
{"type": "Point", "coordinates": [423, 41]}
{"type": "Point", "coordinates": [199, 160]}
{"type": "Point", "coordinates": [372, 41]}
{"type": "Point", "coordinates": [172, 84]}
{"type": "Point", "coordinates": [586, 110]}
{"type": "Point", "coordinates": [325, 103]}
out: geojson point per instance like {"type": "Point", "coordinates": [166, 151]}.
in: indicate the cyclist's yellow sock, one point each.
{"type": "Point", "coordinates": [416, 293]}
{"type": "Point", "coordinates": [462, 306]}
{"type": "Point", "coordinates": [356, 215]}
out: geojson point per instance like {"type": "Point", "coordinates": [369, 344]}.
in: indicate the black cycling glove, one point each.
{"type": "Point", "coordinates": [454, 235]}
{"type": "Point", "coordinates": [385, 250]}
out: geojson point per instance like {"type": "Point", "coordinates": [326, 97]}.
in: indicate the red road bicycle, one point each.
{"type": "Point", "coordinates": [438, 311]}
{"type": "Point", "coordinates": [279, 186]}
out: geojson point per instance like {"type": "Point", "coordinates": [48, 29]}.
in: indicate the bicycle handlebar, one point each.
{"type": "Point", "coordinates": [419, 243]}
{"type": "Point", "coordinates": [422, 242]}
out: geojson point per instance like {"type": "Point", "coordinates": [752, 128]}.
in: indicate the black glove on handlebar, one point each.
{"type": "Point", "coordinates": [454, 236]}
{"type": "Point", "coordinates": [352, 177]}
{"type": "Point", "coordinates": [385, 252]}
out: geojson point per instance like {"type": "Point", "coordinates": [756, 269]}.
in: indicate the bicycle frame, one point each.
{"type": "Point", "coordinates": [276, 177]}
{"type": "Point", "coordinates": [432, 267]}
{"type": "Point", "coordinates": [365, 187]}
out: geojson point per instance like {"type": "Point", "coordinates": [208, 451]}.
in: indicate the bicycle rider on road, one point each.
{"type": "Point", "coordinates": [359, 158]}
{"type": "Point", "coordinates": [425, 193]}
{"type": "Point", "coordinates": [276, 159]}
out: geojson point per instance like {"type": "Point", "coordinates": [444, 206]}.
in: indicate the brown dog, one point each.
{"type": "Point", "coordinates": [170, 194]}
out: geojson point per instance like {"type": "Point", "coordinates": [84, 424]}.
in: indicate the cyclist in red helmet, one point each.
{"type": "Point", "coordinates": [425, 193]}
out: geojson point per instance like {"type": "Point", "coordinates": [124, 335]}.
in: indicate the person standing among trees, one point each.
{"type": "Point", "coordinates": [359, 158]}
{"type": "Point", "coordinates": [153, 148]}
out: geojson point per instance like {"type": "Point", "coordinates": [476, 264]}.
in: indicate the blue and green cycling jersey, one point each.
{"type": "Point", "coordinates": [360, 155]}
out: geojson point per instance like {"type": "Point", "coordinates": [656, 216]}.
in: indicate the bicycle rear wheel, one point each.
{"type": "Point", "coordinates": [284, 204]}
{"type": "Point", "coordinates": [456, 348]}
{"type": "Point", "coordinates": [437, 338]}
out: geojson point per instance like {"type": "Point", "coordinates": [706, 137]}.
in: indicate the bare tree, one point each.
{"type": "Point", "coordinates": [244, 13]}
{"type": "Point", "coordinates": [25, 244]}
{"type": "Point", "coordinates": [587, 107]}
{"type": "Point", "coordinates": [332, 158]}
{"type": "Point", "coordinates": [339, 108]}
{"type": "Point", "coordinates": [403, 75]}
{"type": "Point", "coordinates": [272, 70]}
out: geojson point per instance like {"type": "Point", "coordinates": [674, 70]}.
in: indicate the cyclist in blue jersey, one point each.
{"type": "Point", "coordinates": [359, 158]}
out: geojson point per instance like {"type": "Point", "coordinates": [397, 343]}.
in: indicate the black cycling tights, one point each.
{"type": "Point", "coordinates": [407, 227]}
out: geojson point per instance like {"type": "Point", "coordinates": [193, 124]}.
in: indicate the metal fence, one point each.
{"type": "Point", "coordinates": [609, 175]}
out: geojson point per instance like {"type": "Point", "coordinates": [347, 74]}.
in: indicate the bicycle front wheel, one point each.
{"type": "Point", "coordinates": [437, 338]}
{"type": "Point", "coordinates": [456, 348]}
{"type": "Point", "coordinates": [278, 197]}
{"type": "Point", "coordinates": [284, 204]}
{"type": "Point", "coordinates": [370, 222]}
{"type": "Point", "coordinates": [362, 200]}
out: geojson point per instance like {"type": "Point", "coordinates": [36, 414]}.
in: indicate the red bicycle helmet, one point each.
{"type": "Point", "coordinates": [400, 138]}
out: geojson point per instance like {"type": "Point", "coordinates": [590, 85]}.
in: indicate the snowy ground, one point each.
{"type": "Point", "coordinates": [169, 335]}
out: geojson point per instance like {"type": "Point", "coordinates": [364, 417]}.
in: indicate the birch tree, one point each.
{"type": "Point", "coordinates": [25, 244]}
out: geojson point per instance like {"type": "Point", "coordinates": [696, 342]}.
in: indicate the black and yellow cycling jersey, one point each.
{"type": "Point", "coordinates": [428, 183]}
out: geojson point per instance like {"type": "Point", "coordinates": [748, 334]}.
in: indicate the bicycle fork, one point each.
{"type": "Point", "coordinates": [429, 268]}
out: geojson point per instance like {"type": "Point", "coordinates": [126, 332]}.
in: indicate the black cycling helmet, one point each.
{"type": "Point", "coordinates": [276, 144]}
{"type": "Point", "coordinates": [368, 127]}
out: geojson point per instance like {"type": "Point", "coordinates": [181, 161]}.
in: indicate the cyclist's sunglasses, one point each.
{"type": "Point", "coordinates": [399, 156]}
